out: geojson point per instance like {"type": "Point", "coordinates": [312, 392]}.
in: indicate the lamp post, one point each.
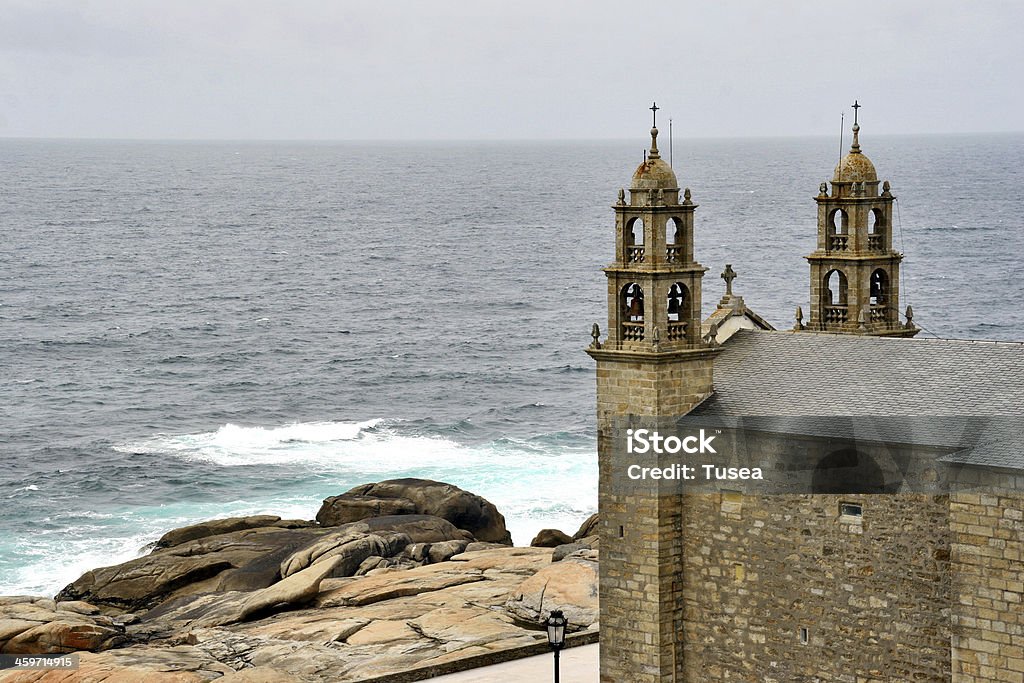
{"type": "Point", "coordinates": [556, 624]}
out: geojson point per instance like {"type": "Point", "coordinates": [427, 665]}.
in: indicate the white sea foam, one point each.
{"type": "Point", "coordinates": [233, 445]}
{"type": "Point", "coordinates": [534, 484]}
{"type": "Point", "coordinates": [45, 568]}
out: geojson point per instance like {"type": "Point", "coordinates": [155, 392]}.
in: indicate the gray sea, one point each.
{"type": "Point", "coordinates": [192, 330]}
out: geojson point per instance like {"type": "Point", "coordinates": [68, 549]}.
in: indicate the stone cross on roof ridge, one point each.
{"type": "Point", "coordinates": [728, 275]}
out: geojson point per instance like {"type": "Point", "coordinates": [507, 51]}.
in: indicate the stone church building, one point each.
{"type": "Point", "coordinates": [876, 580]}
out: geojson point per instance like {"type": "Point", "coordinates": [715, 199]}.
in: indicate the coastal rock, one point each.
{"type": "Point", "coordinates": [569, 585]}
{"type": "Point", "coordinates": [180, 664]}
{"type": "Point", "coordinates": [550, 538]}
{"type": "Point", "coordinates": [588, 528]}
{"type": "Point", "coordinates": [258, 599]}
{"type": "Point", "coordinates": [465, 510]}
{"type": "Point", "coordinates": [563, 551]}
{"type": "Point", "coordinates": [419, 528]}
{"type": "Point", "coordinates": [380, 587]}
{"type": "Point", "coordinates": [350, 547]}
{"type": "Point", "coordinates": [259, 674]}
{"type": "Point", "coordinates": [215, 527]}
{"type": "Point", "coordinates": [242, 560]}
{"type": "Point", "coordinates": [444, 551]}
{"type": "Point", "coordinates": [297, 589]}
{"type": "Point", "coordinates": [479, 545]}
{"type": "Point", "coordinates": [77, 606]}
{"type": "Point", "coordinates": [62, 637]}
{"type": "Point", "coordinates": [39, 626]}
{"type": "Point", "coordinates": [371, 563]}
{"type": "Point", "coordinates": [335, 628]}
{"type": "Point", "coordinates": [252, 559]}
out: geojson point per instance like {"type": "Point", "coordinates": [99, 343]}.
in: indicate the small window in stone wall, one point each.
{"type": "Point", "coordinates": [851, 509]}
{"type": "Point", "coordinates": [805, 636]}
{"type": "Point", "coordinates": [732, 502]}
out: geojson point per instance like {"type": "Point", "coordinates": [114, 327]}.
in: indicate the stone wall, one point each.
{"type": "Point", "coordinates": [873, 592]}
{"type": "Point", "coordinates": [641, 539]}
{"type": "Point", "coordinates": [988, 582]}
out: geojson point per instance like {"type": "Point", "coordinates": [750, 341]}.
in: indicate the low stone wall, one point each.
{"type": "Point", "coordinates": [506, 655]}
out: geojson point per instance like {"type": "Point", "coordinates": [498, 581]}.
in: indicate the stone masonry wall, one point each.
{"type": "Point", "coordinates": [873, 592]}
{"type": "Point", "coordinates": [641, 539]}
{"type": "Point", "coordinates": [988, 583]}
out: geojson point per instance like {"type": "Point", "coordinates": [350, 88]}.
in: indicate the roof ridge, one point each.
{"type": "Point", "coordinates": [916, 340]}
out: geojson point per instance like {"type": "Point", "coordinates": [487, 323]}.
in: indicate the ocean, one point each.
{"type": "Point", "coordinates": [191, 330]}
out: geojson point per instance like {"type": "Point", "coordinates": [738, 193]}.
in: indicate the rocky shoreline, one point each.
{"type": "Point", "coordinates": [398, 576]}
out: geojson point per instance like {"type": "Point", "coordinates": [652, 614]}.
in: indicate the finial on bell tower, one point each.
{"type": "Point", "coordinates": [855, 147]}
{"type": "Point", "coordinates": [654, 132]}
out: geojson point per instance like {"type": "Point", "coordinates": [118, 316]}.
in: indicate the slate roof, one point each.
{"type": "Point", "coordinates": [811, 376]}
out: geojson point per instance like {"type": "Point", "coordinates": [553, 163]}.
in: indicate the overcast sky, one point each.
{"type": "Point", "coordinates": [475, 69]}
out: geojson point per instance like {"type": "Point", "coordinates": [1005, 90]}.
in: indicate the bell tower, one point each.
{"type": "Point", "coordinates": [655, 363]}
{"type": "Point", "coordinates": [654, 285]}
{"type": "Point", "coordinates": [855, 272]}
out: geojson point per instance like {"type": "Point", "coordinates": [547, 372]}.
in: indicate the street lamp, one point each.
{"type": "Point", "coordinates": [556, 624]}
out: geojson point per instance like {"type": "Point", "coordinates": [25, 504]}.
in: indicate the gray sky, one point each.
{"type": "Point", "coordinates": [503, 69]}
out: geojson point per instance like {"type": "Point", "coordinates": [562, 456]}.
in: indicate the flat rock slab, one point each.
{"type": "Point", "coordinates": [569, 585]}
{"type": "Point", "coordinates": [137, 664]}
{"type": "Point", "coordinates": [376, 588]}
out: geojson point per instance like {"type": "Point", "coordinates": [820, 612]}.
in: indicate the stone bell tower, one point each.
{"type": "Point", "coordinates": [655, 363]}
{"type": "Point", "coordinates": [855, 272]}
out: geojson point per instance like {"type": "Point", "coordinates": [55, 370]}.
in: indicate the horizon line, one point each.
{"type": "Point", "coordinates": [56, 138]}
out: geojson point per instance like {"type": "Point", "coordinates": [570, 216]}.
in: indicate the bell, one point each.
{"type": "Point", "coordinates": [636, 308]}
{"type": "Point", "coordinates": [673, 305]}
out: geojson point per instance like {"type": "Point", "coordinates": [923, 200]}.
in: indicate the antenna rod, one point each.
{"type": "Point", "coordinates": [670, 141]}
{"type": "Point", "coordinates": [842, 125]}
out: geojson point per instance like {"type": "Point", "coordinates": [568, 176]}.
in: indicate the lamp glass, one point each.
{"type": "Point", "coordinates": [556, 628]}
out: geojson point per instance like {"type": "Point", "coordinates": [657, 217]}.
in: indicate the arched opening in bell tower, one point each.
{"type": "Point", "coordinates": [876, 229]}
{"type": "Point", "coordinates": [678, 311]}
{"type": "Point", "coordinates": [635, 241]}
{"type": "Point", "coordinates": [673, 240]}
{"type": "Point", "coordinates": [838, 234]}
{"type": "Point", "coordinates": [834, 298]}
{"type": "Point", "coordinates": [879, 286]}
{"type": "Point", "coordinates": [879, 295]}
{"type": "Point", "coordinates": [631, 301]}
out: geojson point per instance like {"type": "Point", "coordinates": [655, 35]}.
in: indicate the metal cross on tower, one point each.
{"type": "Point", "coordinates": [856, 106]}
{"type": "Point", "coordinates": [654, 110]}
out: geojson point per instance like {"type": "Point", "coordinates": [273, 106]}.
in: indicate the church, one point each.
{"type": "Point", "coordinates": [880, 575]}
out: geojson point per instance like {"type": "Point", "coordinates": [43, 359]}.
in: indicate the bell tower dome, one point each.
{"type": "Point", "coordinates": [855, 271]}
